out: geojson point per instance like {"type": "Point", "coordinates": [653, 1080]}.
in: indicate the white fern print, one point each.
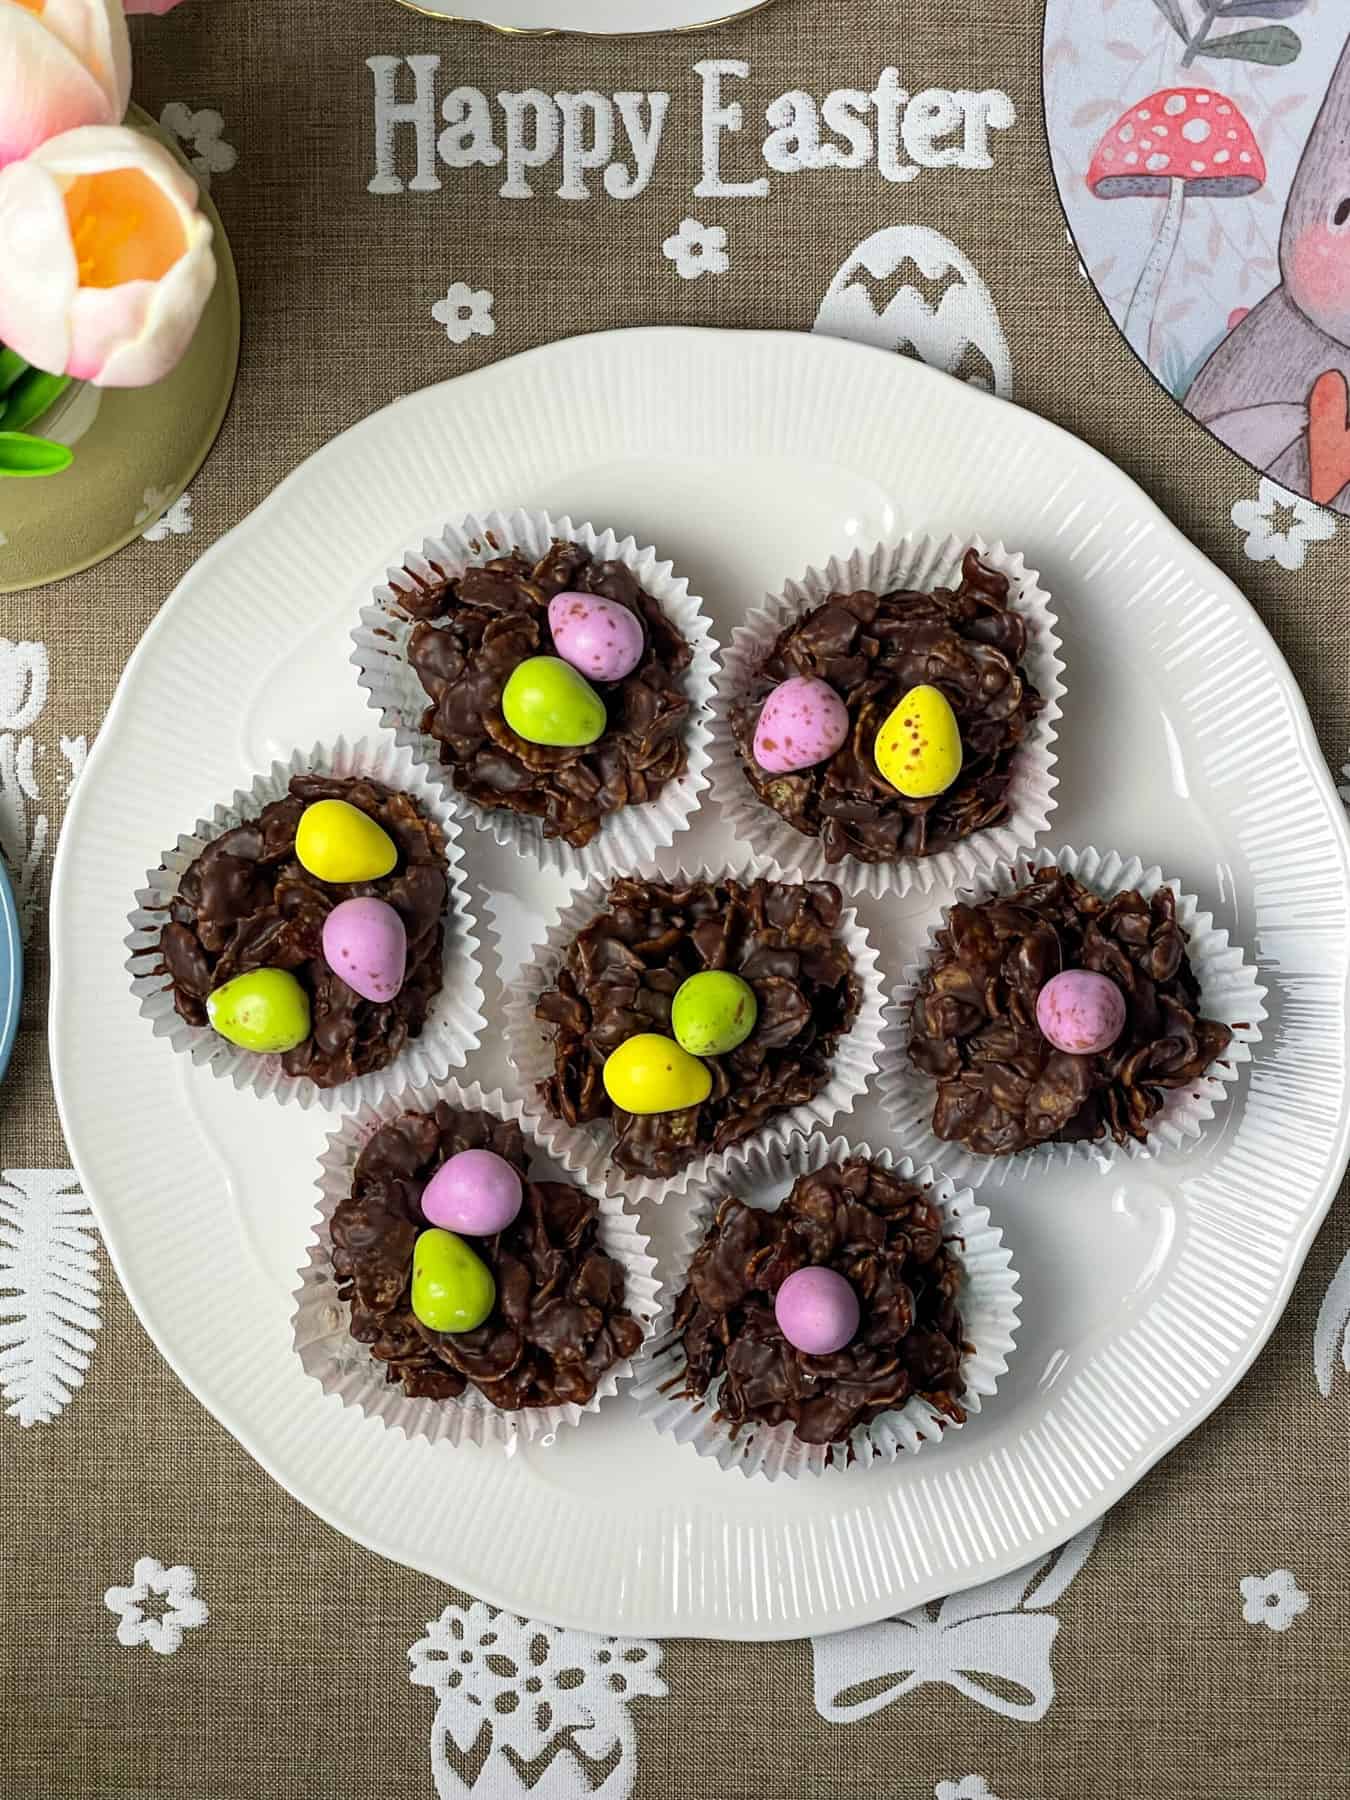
{"type": "Point", "coordinates": [1333, 1328]}
{"type": "Point", "coordinates": [48, 1291]}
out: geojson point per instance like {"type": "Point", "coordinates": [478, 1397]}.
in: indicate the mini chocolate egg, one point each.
{"type": "Point", "coordinates": [817, 1311]}
{"type": "Point", "coordinates": [713, 1012]}
{"type": "Point", "coordinates": [476, 1192]}
{"type": "Point", "coordinates": [918, 748]}
{"type": "Point", "coordinates": [545, 701]}
{"type": "Point", "coordinates": [598, 636]}
{"type": "Point", "coordinates": [652, 1074]}
{"type": "Point", "coordinates": [366, 943]}
{"type": "Point", "coordinates": [265, 1011]}
{"type": "Point", "coordinates": [803, 722]}
{"type": "Point", "coordinates": [452, 1287]}
{"type": "Point", "coordinates": [1081, 1012]}
{"type": "Point", "coordinates": [339, 843]}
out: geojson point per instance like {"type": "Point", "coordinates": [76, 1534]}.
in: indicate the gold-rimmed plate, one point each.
{"type": "Point", "coordinates": [586, 18]}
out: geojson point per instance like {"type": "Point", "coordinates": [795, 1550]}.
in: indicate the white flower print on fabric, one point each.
{"type": "Point", "coordinates": [1273, 1600]}
{"type": "Point", "coordinates": [48, 1291]}
{"type": "Point", "coordinates": [1333, 1327]}
{"type": "Point", "coordinates": [465, 313]}
{"type": "Point", "coordinates": [697, 250]}
{"type": "Point", "coordinates": [950, 322]}
{"type": "Point", "coordinates": [970, 1787]}
{"type": "Point", "coordinates": [159, 1606]}
{"type": "Point", "coordinates": [177, 520]}
{"type": "Point", "coordinates": [1285, 539]}
{"type": "Point", "coordinates": [152, 501]}
{"type": "Point", "coordinates": [199, 132]}
{"type": "Point", "coordinates": [1001, 1629]}
{"type": "Point", "coordinates": [555, 1699]}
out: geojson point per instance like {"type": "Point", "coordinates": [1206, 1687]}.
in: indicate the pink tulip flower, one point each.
{"type": "Point", "coordinates": [63, 63]}
{"type": "Point", "coordinates": [105, 258]}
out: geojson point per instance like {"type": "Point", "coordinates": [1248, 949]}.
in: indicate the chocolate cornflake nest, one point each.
{"type": "Point", "coordinates": [621, 974]}
{"type": "Point", "coordinates": [872, 649]}
{"type": "Point", "coordinates": [884, 1236]}
{"type": "Point", "coordinates": [1001, 1086]}
{"type": "Point", "coordinates": [246, 903]}
{"type": "Point", "coordinates": [559, 1321]}
{"type": "Point", "coordinates": [475, 629]}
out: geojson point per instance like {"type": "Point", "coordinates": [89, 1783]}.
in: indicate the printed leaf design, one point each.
{"type": "Point", "coordinates": [1261, 9]}
{"type": "Point", "coordinates": [12, 366]}
{"type": "Point", "coordinates": [48, 1291]}
{"type": "Point", "coordinates": [1171, 11]}
{"type": "Point", "coordinates": [1333, 1325]}
{"type": "Point", "coordinates": [1273, 45]}
{"type": "Point", "coordinates": [31, 456]}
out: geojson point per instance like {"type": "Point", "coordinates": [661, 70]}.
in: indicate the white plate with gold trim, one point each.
{"type": "Point", "coordinates": [1147, 1290]}
{"type": "Point", "coordinates": [587, 18]}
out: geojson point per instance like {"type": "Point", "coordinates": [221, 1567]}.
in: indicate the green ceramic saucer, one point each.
{"type": "Point", "coordinates": [136, 449]}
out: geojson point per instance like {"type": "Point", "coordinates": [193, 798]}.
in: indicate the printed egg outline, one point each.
{"type": "Point", "coordinates": [965, 315]}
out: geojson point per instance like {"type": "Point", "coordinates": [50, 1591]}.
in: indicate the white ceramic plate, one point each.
{"type": "Point", "coordinates": [590, 18]}
{"type": "Point", "coordinates": [1147, 1291]}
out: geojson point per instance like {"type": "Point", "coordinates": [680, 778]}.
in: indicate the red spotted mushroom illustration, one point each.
{"type": "Point", "coordinates": [1180, 143]}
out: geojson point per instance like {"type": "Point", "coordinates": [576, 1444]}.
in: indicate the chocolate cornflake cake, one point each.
{"type": "Point", "coordinates": [622, 972]}
{"type": "Point", "coordinates": [559, 1321]}
{"type": "Point", "coordinates": [884, 1236]}
{"type": "Point", "coordinates": [473, 631]}
{"type": "Point", "coordinates": [872, 649]}
{"type": "Point", "coordinates": [1001, 1085]}
{"type": "Point", "coordinates": [246, 903]}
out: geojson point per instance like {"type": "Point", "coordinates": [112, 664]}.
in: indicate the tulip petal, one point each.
{"type": "Point", "coordinates": [96, 30]}
{"type": "Point", "coordinates": [45, 89]}
{"type": "Point", "coordinates": [174, 309]}
{"type": "Point", "coordinates": [38, 273]}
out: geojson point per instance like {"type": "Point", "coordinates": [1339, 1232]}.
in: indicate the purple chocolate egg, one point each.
{"type": "Point", "coordinates": [364, 941]}
{"type": "Point", "coordinates": [1081, 1012]}
{"type": "Point", "coordinates": [802, 722]}
{"type": "Point", "coordinates": [475, 1192]}
{"type": "Point", "coordinates": [817, 1311]}
{"type": "Point", "coordinates": [601, 638]}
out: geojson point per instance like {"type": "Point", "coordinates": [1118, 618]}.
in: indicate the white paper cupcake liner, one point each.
{"type": "Point", "coordinates": [342, 1367]}
{"type": "Point", "coordinates": [627, 837]}
{"type": "Point", "coordinates": [455, 1021]}
{"type": "Point", "coordinates": [989, 1309]}
{"type": "Point", "coordinates": [586, 1149]}
{"type": "Point", "coordinates": [1231, 992]}
{"type": "Point", "coordinates": [919, 563]}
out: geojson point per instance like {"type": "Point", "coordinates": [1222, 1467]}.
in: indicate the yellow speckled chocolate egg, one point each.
{"type": "Point", "coordinates": [652, 1074]}
{"type": "Point", "coordinates": [918, 749]}
{"type": "Point", "coordinates": [339, 843]}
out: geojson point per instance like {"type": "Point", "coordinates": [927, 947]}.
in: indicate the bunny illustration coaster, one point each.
{"type": "Point", "coordinates": [1200, 158]}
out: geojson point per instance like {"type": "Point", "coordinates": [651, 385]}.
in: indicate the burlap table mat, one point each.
{"type": "Point", "coordinates": [1147, 1678]}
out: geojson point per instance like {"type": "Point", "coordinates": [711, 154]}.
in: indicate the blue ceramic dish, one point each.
{"type": "Point", "coordinates": [11, 970]}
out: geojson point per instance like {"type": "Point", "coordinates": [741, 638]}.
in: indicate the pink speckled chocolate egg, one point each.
{"type": "Point", "coordinates": [598, 636]}
{"type": "Point", "coordinates": [1080, 1012]}
{"type": "Point", "coordinates": [802, 722]}
{"type": "Point", "coordinates": [817, 1311]}
{"type": "Point", "coordinates": [475, 1192]}
{"type": "Point", "coordinates": [364, 942]}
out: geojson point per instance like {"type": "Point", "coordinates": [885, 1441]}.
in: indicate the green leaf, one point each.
{"type": "Point", "coordinates": [24, 455]}
{"type": "Point", "coordinates": [12, 366]}
{"type": "Point", "coordinates": [30, 397]}
{"type": "Point", "coordinates": [1171, 11]}
{"type": "Point", "coordinates": [1272, 44]}
{"type": "Point", "coordinates": [1261, 9]}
